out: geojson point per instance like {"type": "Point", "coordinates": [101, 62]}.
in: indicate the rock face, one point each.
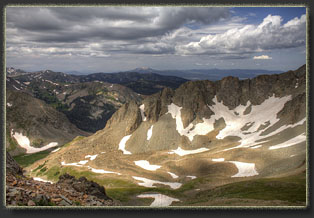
{"type": "Point", "coordinates": [12, 166]}
{"type": "Point", "coordinates": [68, 191]}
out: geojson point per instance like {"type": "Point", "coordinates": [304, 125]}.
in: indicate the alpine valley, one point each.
{"type": "Point", "coordinates": [144, 139]}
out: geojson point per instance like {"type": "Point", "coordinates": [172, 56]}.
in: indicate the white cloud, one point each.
{"type": "Point", "coordinates": [270, 34]}
{"type": "Point", "coordinates": [262, 57]}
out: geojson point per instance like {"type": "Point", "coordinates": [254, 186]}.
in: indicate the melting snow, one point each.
{"type": "Point", "coordinates": [160, 200]}
{"type": "Point", "coordinates": [42, 180]}
{"type": "Point", "coordinates": [296, 140]}
{"type": "Point", "coordinates": [150, 183]}
{"type": "Point", "coordinates": [245, 169]}
{"type": "Point", "coordinates": [145, 165]}
{"type": "Point", "coordinates": [102, 171]}
{"type": "Point", "coordinates": [9, 104]}
{"type": "Point", "coordinates": [24, 142]}
{"type": "Point", "coordinates": [179, 151]}
{"type": "Point", "coordinates": [218, 159]}
{"type": "Point", "coordinates": [142, 108]}
{"type": "Point", "coordinates": [173, 175]}
{"type": "Point", "coordinates": [150, 132]}
{"type": "Point", "coordinates": [92, 157]}
{"type": "Point", "coordinates": [122, 144]}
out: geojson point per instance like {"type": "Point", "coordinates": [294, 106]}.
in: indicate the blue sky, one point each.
{"type": "Point", "coordinates": [111, 39]}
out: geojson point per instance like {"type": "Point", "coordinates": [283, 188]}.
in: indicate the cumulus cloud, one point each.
{"type": "Point", "coordinates": [262, 57]}
{"type": "Point", "coordinates": [270, 34]}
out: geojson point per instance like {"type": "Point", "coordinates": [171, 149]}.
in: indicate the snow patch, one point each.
{"type": "Point", "coordinates": [192, 177]}
{"type": "Point", "coordinates": [15, 87]}
{"type": "Point", "coordinates": [218, 159]}
{"type": "Point", "coordinates": [26, 83]}
{"type": "Point", "coordinates": [181, 152]}
{"type": "Point", "coordinates": [24, 142]}
{"type": "Point", "coordinates": [92, 157]}
{"type": "Point", "coordinates": [102, 171]}
{"type": "Point", "coordinates": [159, 199]}
{"type": "Point", "coordinates": [146, 165]}
{"type": "Point", "coordinates": [173, 175]}
{"type": "Point", "coordinates": [55, 150]}
{"type": "Point", "coordinates": [142, 108]}
{"type": "Point", "coordinates": [9, 104]}
{"type": "Point", "coordinates": [245, 169]}
{"type": "Point", "coordinates": [149, 183]}
{"type": "Point", "coordinates": [296, 140]}
{"type": "Point", "coordinates": [71, 164]}
{"type": "Point", "coordinates": [150, 132]}
{"type": "Point", "coordinates": [257, 146]}
{"type": "Point", "coordinates": [122, 144]}
{"type": "Point", "coordinates": [42, 180]}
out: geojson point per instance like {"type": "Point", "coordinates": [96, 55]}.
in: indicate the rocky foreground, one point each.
{"type": "Point", "coordinates": [68, 191]}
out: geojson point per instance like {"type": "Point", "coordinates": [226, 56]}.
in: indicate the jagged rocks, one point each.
{"type": "Point", "coordinates": [84, 186]}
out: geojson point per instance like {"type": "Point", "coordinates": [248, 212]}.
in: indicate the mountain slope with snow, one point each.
{"type": "Point", "coordinates": [199, 137]}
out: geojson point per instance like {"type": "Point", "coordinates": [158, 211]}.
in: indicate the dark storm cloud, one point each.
{"type": "Point", "coordinates": [110, 23]}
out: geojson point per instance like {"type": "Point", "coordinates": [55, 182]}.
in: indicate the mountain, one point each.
{"type": "Point", "coordinates": [205, 143]}
{"type": "Point", "coordinates": [33, 126]}
{"type": "Point", "coordinates": [146, 84]}
{"type": "Point", "coordinates": [208, 74]}
{"type": "Point", "coordinates": [11, 71]}
{"type": "Point", "coordinates": [88, 105]}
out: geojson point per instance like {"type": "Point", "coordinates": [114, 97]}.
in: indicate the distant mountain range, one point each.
{"type": "Point", "coordinates": [200, 74]}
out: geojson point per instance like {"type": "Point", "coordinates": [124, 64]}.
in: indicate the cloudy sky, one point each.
{"type": "Point", "coordinates": [111, 39]}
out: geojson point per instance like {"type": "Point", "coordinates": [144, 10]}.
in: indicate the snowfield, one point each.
{"type": "Point", "coordinates": [146, 165]}
{"type": "Point", "coordinates": [122, 144]}
{"type": "Point", "coordinates": [181, 152]}
{"type": "Point", "coordinates": [259, 115]}
{"type": "Point", "coordinates": [149, 183]}
{"type": "Point", "coordinates": [160, 200]}
{"type": "Point", "coordinates": [24, 142]}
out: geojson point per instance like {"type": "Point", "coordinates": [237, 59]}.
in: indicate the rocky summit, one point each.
{"type": "Point", "coordinates": [203, 144]}
{"type": "Point", "coordinates": [68, 191]}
